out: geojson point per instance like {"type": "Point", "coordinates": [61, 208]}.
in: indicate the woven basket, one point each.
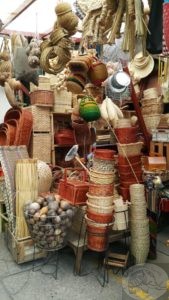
{"type": "Point", "coordinates": [41, 118]}
{"type": "Point", "coordinates": [129, 149]}
{"type": "Point", "coordinates": [42, 97]}
{"type": "Point", "coordinates": [152, 108]}
{"type": "Point", "coordinates": [123, 123]}
{"type": "Point", "coordinates": [40, 146]}
{"type": "Point", "coordinates": [151, 121]}
{"type": "Point", "coordinates": [13, 113]}
{"type": "Point", "coordinates": [104, 201]}
{"type": "Point", "coordinates": [44, 177]}
{"type": "Point", "coordinates": [102, 190]}
{"type": "Point", "coordinates": [12, 127]}
{"type": "Point", "coordinates": [102, 178]}
{"type": "Point", "coordinates": [103, 165]}
{"type": "Point", "coordinates": [4, 138]}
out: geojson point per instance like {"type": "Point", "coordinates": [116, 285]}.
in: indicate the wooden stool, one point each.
{"type": "Point", "coordinates": [161, 149]}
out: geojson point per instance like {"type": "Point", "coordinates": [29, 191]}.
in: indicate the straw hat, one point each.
{"type": "Point", "coordinates": [141, 66]}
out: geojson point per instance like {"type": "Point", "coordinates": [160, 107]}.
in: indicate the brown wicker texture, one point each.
{"type": "Point", "coordinates": [152, 121]}
{"type": "Point", "coordinates": [42, 97]}
{"type": "Point", "coordinates": [41, 118]}
{"type": "Point", "coordinates": [101, 178]}
{"type": "Point", "coordinates": [11, 129]}
{"type": "Point", "coordinates": [4, 138]}
{"type": "Point", "coordinates": [102, 190]}
{"type": "Point", "coordinates": [152, 109]}
{"type": "Point", "coordinates": [100, 200]}
{"type": "Point", "coordinates": [40, 146]}
{"type": "Point", "coordinates": [129, 149]}
{"type": "Point", "coordinates": [44, 177]}
{"type": "Point", "coordinates": [25, 122]}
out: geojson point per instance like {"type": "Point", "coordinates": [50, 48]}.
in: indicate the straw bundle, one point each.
{"type": "Point", "coordinates": [26, 179]}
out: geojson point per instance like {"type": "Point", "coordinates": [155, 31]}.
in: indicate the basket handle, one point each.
{"type": "Point", "coordinates": [84, 178]}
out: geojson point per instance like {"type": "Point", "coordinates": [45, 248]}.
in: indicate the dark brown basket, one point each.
{"type": "Point", "coordinates": [42, 97]}
{"type": "Point", "coordinates": [4, 139]}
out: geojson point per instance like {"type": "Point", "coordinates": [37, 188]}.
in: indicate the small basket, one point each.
{"type": "Point", "coordinates": [129, 149]}
{"type": "Point", "coordinates": [42, 97]}
{"type": "Point", "coordinates": [103, 165]}
{"type": "Point", "coordinates": [99, 217]}
{"type": "Point", "coordinates": [100, 200]}
{"type": "Point", "coordinates": [100, 209]}
{"type": "Point", "coordinates": [152, 121]}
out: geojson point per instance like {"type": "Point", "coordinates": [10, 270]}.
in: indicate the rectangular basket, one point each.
{"type": "Point", "coordinates": [40, 146]}
{"type": "Point", "coordinates": [75, 191]}
{"type": "Point", "coordinates": [41, 118]}
{"type": "Point", "coordinates": [42, 98]}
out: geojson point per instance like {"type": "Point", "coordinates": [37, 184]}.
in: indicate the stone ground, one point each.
{"type": "Point", "coordinates": [22, 282]}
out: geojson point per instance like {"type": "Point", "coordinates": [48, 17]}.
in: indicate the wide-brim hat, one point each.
{"type": "Point", "coordinates": [141, 66]}
{"type": "Point", "coordinates": [119, 81]}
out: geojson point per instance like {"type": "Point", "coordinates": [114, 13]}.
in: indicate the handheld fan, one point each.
{"type": "Point", "coordinates": [72, 153]}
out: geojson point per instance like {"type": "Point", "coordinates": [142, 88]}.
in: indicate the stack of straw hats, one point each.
{"type": "Point", "coordinates": [139, 224]}
{"type": "Point", "coordinates": [141, 66]}
{"type": "Point", "coordinates": [151, 107]}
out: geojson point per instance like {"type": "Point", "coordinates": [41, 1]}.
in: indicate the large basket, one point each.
{"type": "Point", "coordinates": [98, 200]}
{"type": "Point", "coordinates": [131, 149]}
{"type": "Point", "coordinates": [101, 178]}
{"type": "Point", "coordinates": [101, 190]}
{"type": "Point", "coordinates": [152, 121]}
{"type": "Point", "coordinates": [41, 118]}
{"type": "Point", "coordinates": [44, 177]}
{"type": "Point", "coordinates": [42, 98]}
{"type": "Point", "coordinates": [100, 208]}
{"type": "Point", "coordinates": [153, 109]}
{"type": "Point", "coordinates": [40, 146]}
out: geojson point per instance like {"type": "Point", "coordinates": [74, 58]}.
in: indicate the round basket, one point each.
{"type": "Point", "coordinates": [100, 200]}
{"type": "Point", "coordinates": [44, 177]}
{"type": "Point", "coordinates": [13, 130]}
{"type": "Point", "coordinates": [137, 189]}
{"type": "Point", "coordinates": [152, 109]}
{"type": "Point", "coordinates": [123, 123]}
{"type": "Point", "coordinates": [101, 178]}
{"type": "Point", "coordinates": [100, 190]}
{"type": "Point", "coordinates": [103, 165]}
{"type": "Point", "coordinates": [106, 154]}
{"type": "Point", "coordinates": [13, 114]}
{"type": "Point", "coordinates": [126, 135]}
{"type": "Point", "coordinates": [151, 121]}
{"type": "Point", "coordinates": [128, 168]}
{"type": "Point", "coordinates": [122, 160]}
{"type": "Point", "coordinates": [131, 175]}
{"type": "Point", "coordinates": [127, 184]}
{"type": "Point", "coordinates": [129, 149]}
{"type": "Point", "coordinates": [42, 97]}
{"type": "Point", "coordinates": [124, 191]}
{"type": "Point", "coordinates": [4, 138]}
{"type": "Point", "coordinates": [98, 217]}
{"type": "Point", "coordinates": [100, 209]}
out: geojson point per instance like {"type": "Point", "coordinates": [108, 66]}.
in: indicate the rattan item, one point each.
{"type": "Point", "coordinates": [100, 200]}
{"type": "Point", "coordinates": [42, 98]}
{"type": "Point", "coordinates": [152, 121]}
{"type": "Point", "coordinates": [41, 118]}
{"type": "Point", "coordinates": [57, 34]}
{"type": "Point", "coordinates": [44, 177]}
{"type": "Point", "coordinates": [129, 149]}
{"type": "Point", "coordinates": [123, 123]}
{"type": "Point", "coordinates": [11, 129]}
{"type": "Point", "coordinates": [100, 177]}
{"type": "Point", "coordinates": [4, 138]}
{"type": "Point", "coordinates": [99, 208]}
{"type": "Point", "coordinates": [152, 109]}
{"type": "Point", "coordinates": [40, 146]}
{"type": "Point", "coordinates": [103, 165]}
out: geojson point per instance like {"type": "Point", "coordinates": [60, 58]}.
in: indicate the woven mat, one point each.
{"type": "Point", "coordinates": [8, 157]}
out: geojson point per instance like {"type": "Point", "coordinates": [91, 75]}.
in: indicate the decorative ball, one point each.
{"type": "Point", "coordinates": [89, 110]}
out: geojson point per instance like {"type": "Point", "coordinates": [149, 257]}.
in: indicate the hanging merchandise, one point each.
{"type": "Point", "coordinates": [5, 62]}
{"type": "Point", "coordinates": [22, 70]}
{"type": "Point", "coordinates": [89, 110]}
{"type": "Point", "coordinates": [66, 18]}
{"type": "Point", "coordinates": [33, 52]}
{"type": "Point", "coordinates": [141, 65]}
{"type": "Point", "coordinates": [97, 72]}
{"type": "Point", "coordinates": [154, 36]}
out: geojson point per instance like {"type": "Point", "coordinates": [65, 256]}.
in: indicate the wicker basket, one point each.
{"type": "Point", "coordinates": [101, 178]}
{"type": "Point", "coordinates": [41, 118]}
{"type": "Point", "coordinates": [40, 146]}
{"type": "Point", "coordinates": [153, 109]}
{"type": "Point", "coordinates": [129, 149]}
{"type": "Point", "coordinates": [106, 201]}
{"type": "Point", "coordinates": [152, 121]}
{"type": "Point", "coordinates": [42, 98]}
{"type": "Point", "coordinates": [103, 190]}
{"type": "Point", "coordinates": [123, 123]}
{"type": "Point", "coordinates": [62, 100]}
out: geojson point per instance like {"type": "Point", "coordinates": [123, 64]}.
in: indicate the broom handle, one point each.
{"type": "Point", "coordinates": [78, 159]}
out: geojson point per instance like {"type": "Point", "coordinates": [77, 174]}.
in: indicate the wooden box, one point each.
{"type": "Point", "coordinates": [22, 250]}
{"type": "Point", "coordinates": [155, 163]}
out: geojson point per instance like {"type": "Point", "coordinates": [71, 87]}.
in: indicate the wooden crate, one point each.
{"type": "Point", "coordinates": [40, 146]}
{"type": "Point", "coordinates": [41, 118]}
{"type": "Point", "coordinates": [161, 149]}
{"type": "Point", "coordinates": [22, 250]}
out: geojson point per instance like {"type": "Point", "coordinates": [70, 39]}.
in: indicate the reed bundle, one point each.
{"type": "Point", "coordinates": [26, 180]}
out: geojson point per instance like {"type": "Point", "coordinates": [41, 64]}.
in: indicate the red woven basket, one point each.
{"type": "Point", "coordinates": [166, 23]}
{"type": "Point", "coordinates": [4, 139]}
{"type": "Point", "coordinates": [126, 135]}
{"type": "Point", "coordinates": [42, 97]}
{"type": "Point", "coordinates": [12, 128]}
{"type": "Point", "coordinates": [13, 114]}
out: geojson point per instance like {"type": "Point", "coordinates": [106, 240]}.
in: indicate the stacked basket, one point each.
{"type": "Point", "coordinates": [100, 199]}
{"type": "Point", "coordinates": [121, 214]}
{"type": "Point", "coordinates": [129, 158]}
{"type": "Point", "coordinates": [139, 224]}
{"type": "Point", "coordinates": [152, 108]}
